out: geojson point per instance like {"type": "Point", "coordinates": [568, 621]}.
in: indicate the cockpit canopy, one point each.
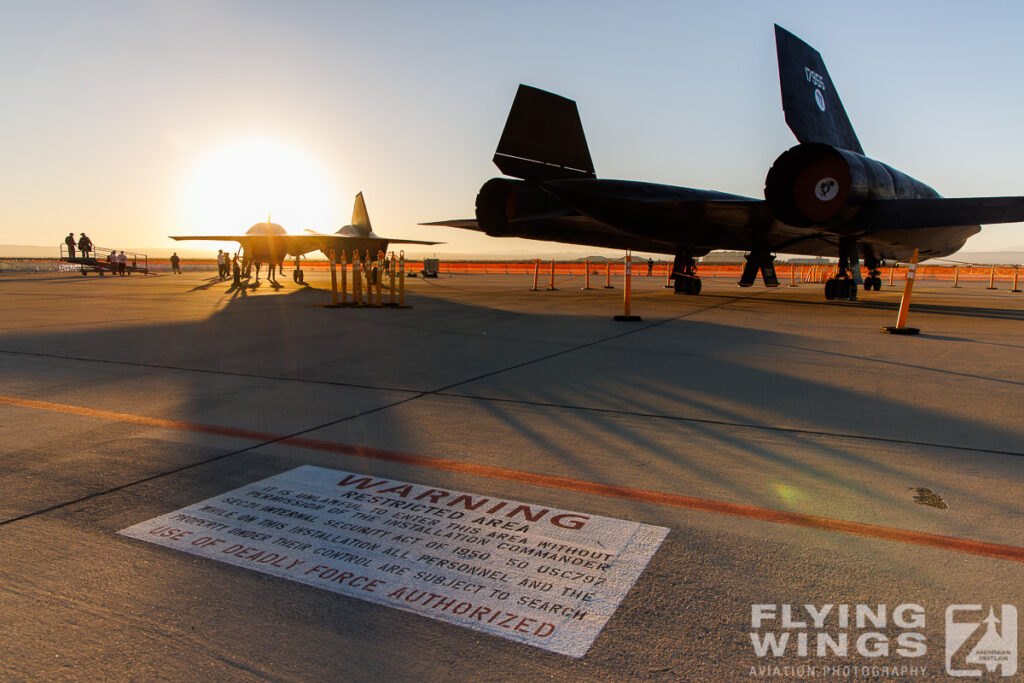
{"type": "Point", "coordinates": [266, 229]}
{"type": "Point", "coordinates": [356, 231]}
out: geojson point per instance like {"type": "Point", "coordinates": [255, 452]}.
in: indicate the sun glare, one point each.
{"type": "Point", "coordinates": [239, 184]}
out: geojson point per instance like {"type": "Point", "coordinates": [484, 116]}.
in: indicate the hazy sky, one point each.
{"type": "Point", "coordinates": [137, 120]}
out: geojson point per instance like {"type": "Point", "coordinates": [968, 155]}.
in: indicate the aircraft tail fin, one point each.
{"type": "Point", "coordinates": [361, 219]}
{"type": "Point", "coordinates": [543, 138]}
{"type": "Point", "coordinates": [810, 101]}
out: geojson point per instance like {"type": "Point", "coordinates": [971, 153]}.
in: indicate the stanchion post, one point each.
{"type": "Point", "coordinates": [551, 286]}
{"type": "Point", "coordinates": [908, 287]}
{"type": "Point", "coordinates": [401, 279]}
{"type": "Point", "coordinates": [357, 265]}
{"type": "Point", "coordinates": [992, 278]}
{"type": "Point", "coordinates": [344, 277]}
{"type": "Point", "coordinates": [357, 279]}
{"type": "Point", "coordinates": [379, 284]}
{"type": "Point", "coordinates": [391, 299]}
{"type": "Point", "coordinates": [892, 269]}
{"type": "Point", "coordinates": [608, 275]}
{"type": "Point", "coordinates": [365, 263]}
{"type": "Point", "coordinates": [586, 274]}
{"type": "Point", "coordinates": [956, 276]}
{"type": "Point", "coordinates": [334, 281]}
{"type": "Point", "coordinates": [792, 275]}
{"type": "Point", "coordinates": [536, 273]}
{"type": "Point", "coordinates": [627, 288]}
{"type": "Point", "coordinates": [1016, 277]}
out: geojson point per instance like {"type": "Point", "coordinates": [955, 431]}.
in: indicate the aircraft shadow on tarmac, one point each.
{"type": "Point", "coordinates": [915, 307]}
{"type": "Point", "coordinates": [245, 284]}
{"type": "Point", "coordinates": [732, 409]}
{"type": "Point", "coordinates": [671, 399]}
{"type": "Point", "coordinates": [680, 406]}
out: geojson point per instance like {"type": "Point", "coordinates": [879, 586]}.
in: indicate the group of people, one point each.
{"type": "Point", "coordinates": [119, 263]}
{"type": "Point", "coordinates": [83, 243]}
{"type": "Point", "coordinates": [228, 266]}
{"type": "Point", "coordinates": [116, 262]}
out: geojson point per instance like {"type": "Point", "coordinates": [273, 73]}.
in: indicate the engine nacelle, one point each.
{"type": "Point", "coordinates": [501, 200]}
{"type": "Point", "coordinates": [815, 184]}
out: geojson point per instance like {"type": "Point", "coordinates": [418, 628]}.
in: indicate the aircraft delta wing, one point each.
{"type": "Point", "coordinates": [269, 243]}
{"type": "Point", "coordinates": [823, 197]}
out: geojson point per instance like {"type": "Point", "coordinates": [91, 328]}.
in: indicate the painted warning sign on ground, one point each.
{"type": "Point", "coordinates": [537, 575]}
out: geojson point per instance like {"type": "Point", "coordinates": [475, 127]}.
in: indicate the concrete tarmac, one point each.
{"type": "Point", "coordinates": [781, 438]}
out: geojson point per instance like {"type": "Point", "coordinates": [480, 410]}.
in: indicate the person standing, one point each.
{"type": "Point", "coordinates": [70, 241]}
{"type": "Point", "coordinates": [650, 267]}
{"type": "Point", "coordinates": [220, 263]}
{"type": "Point", "coordinates": [84, 245]}
{"type": "Point", "coordinates": [122, 263]}
{"type": "Point", "coordinates": [174, 264]}
{"type": "Point", "coordinates": [236, 272]}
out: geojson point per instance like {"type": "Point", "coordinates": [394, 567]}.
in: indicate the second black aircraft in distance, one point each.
{"type": "Point", "coordinates": [269, 243]}
{"type": "Point", "coordinates": [823, 197]}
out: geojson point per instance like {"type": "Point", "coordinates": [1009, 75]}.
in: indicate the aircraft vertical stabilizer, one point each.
{"type": "Point", "coordinates": [543, 138]}
{"type": "Point", "coordinates": [361, 219]}
{"type": "Point", "coordinates": [813, 109]}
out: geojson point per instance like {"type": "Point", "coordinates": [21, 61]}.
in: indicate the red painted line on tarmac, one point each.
{"type": "Point", "coordinates": [963, 545]}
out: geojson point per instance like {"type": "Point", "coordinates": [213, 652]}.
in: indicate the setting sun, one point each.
{"type": "Point", "coordinates": [242, 182]}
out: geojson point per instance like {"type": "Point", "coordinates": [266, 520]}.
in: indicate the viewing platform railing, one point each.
{"type": "Point", "coordinates": [101, 259]}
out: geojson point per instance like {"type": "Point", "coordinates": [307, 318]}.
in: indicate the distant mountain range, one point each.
{"type": "Point", "coordinates": [22, 251]}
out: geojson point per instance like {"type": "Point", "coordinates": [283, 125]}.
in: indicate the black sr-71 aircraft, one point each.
{"type": "Point", "coordinates": [823, 197]}
{"type": "Point", "coordinates": [269, 243]}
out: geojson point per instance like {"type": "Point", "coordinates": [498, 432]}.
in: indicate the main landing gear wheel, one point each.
{"type": "Point", "coordinates": [840, 288]}
{"type": "Point", "coordinates": [686, 285]}
{"type": "Point", "coordinates": [872, 282]}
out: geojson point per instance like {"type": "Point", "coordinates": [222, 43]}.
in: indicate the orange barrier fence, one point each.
{"type": "Point", "coordinates": [794, 273]}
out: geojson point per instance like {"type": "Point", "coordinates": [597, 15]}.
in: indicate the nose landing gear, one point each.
{"type": "Point", "coordinates": [684, 274]}
{"type": "Point", "coordinates": [873, 281]}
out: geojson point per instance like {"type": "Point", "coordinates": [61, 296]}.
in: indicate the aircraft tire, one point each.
{"type": "Point", "coordinates": [830, 289]}
{"type": "Point", "coordinates": [694, 286]}
{"type": "Point", "coordinates": [877, 284]}
{"type": "Point", "coordinates": [679, 286]}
